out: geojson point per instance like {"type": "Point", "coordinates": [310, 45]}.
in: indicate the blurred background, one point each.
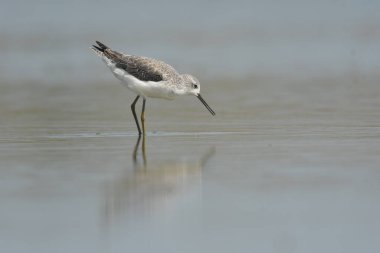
{"type": "Point", "coordinates": [48, 40]}
{"type": "Point", "coordinates": [289, 164]}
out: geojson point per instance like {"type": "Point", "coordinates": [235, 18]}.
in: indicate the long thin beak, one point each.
{"type": "Point", "coordinates": [205, 104]}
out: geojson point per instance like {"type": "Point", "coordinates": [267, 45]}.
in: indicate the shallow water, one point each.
{"type": "Point", "coordinates": [290, 162]}
{"type": "Point", "coordinates": [286, 169]}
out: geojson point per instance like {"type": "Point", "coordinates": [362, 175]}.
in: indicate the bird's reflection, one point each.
{"type": "Point", "coordinates": [135, 151]}
{"type": "Point", "coordinates": [152, 185]}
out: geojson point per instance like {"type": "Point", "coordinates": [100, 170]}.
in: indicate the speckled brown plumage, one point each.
{"type": "Point", "coordinates": [143, 68]}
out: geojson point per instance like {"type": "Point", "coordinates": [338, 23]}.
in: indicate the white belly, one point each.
{"type": "Point", "coordinates": [142, 88]}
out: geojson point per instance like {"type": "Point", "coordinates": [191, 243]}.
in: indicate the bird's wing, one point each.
{"type": "Point", "coordinates": [139, 67]}
{"type": "Point", "coordinates": [143, 68]}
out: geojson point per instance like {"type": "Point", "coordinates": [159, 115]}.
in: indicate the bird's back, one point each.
{"type": "Point", "coordinates": [143, 68]}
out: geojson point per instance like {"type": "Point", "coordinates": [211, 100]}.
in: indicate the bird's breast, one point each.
{"type": "Point", "coordinates": [150, 89]}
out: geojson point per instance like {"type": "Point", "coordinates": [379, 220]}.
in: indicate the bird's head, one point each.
{"type": "Point", "coordinates": [193, 87]}
{"type": "Point", "coordinates": [191, 84]}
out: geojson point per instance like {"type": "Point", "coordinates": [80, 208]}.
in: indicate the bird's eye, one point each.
{"type": "Point", "coordinates": [195, 86]}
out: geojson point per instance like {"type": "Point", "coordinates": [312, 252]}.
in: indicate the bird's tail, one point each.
{"type": "Point", "coordinates": [100, 48]}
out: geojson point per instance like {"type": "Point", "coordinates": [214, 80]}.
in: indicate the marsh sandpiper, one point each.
{"type": "Point", "coordinates": [148, 77]}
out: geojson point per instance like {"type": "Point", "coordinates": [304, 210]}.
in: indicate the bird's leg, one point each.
{"type": "Point", "coordinates": [143, 116]}
{"type": "Point", "coordinates": [134, 113]}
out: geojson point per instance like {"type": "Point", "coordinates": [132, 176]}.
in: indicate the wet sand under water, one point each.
{"type": "Point", "coordinates": [285, 166]}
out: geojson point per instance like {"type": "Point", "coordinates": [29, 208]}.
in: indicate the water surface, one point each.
{"type": "Point", "coordinates": [290, 162]}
